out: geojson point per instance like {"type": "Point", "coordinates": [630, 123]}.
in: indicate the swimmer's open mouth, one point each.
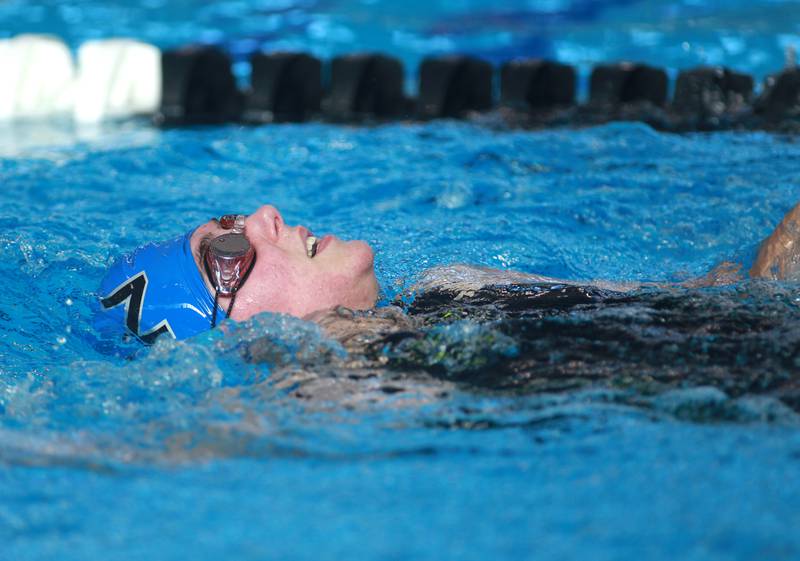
{"type": "Point", "coordinates": [311, 246]}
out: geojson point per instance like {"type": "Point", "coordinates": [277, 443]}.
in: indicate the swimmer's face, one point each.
{"type": "Point", "coordinates": [285, 280]}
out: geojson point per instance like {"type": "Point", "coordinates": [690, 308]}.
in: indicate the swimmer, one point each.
{"type": "Point", "coordinates": [238, 266]}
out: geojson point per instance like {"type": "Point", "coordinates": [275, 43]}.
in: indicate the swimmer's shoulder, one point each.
{"type": "Point", "coordinates": [466, 279]}
{"type": "Point", "coordinates": [456, 291]}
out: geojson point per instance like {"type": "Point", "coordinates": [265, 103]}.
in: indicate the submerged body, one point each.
{"type": "Point", "coordinates": [529, 336]}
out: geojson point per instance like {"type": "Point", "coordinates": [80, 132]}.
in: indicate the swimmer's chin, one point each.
{"type": "Point", "coordinates": [365, 255]}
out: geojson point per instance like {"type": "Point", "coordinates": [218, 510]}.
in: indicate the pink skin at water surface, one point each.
{"type": "Point", "coordinates": [285, 280]}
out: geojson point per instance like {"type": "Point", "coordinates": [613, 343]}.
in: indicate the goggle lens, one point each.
{"type": "Point", "coordinates": [229, 260]}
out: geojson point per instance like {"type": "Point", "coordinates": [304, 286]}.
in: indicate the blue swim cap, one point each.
{"type": "Point", "coordinates": [156, 289]}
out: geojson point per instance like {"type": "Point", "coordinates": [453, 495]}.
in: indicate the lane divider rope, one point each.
{"type": "Point", "coordinates": [124, 78]}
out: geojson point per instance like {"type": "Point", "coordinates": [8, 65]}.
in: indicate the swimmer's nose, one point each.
{"type": "Point", "coordinates": [266, 222]}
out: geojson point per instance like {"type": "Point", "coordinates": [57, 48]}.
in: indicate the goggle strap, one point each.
{"type": "Point", "coordinates": [230, 306]}
{"type": "Point", "coordinates": [214, 312]}
{"type": "Point", "coordinates": [236, 289]}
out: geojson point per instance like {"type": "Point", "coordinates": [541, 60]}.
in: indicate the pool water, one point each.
{"type": "Point", "coordinates": [745, 35]}
{"type": "Point", "coordinates": [193, 449]}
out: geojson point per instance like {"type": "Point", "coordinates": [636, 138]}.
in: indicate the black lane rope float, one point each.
{"type": "Point", "coordinates": [199, 87]}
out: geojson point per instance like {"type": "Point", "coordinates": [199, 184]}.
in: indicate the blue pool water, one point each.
{"type": "Point", "coordinates": [745, 35]}
{"type": "Point", "coordinates": [190, 450]}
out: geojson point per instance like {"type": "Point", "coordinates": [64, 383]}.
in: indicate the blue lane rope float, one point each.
{"type": "Point", "coordinates": [196, 85]}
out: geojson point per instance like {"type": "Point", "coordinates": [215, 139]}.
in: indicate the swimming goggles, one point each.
{"type": "Point", "coordinates": [228, 261]}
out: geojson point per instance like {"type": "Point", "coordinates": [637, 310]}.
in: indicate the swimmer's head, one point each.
{"type": "Point", "coordinates": [285, 279]}
{"type": "Point", "coordinates": [179, 295]}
